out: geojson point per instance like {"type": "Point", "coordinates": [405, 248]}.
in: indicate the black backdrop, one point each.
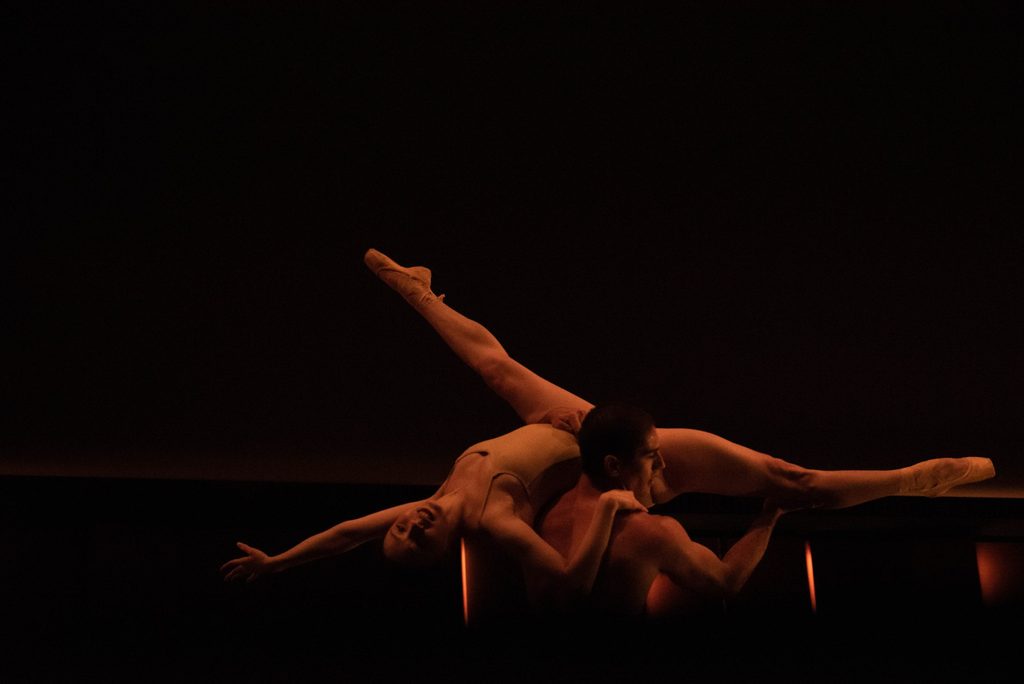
{"type": "Point", "coordinates": [794, 224]}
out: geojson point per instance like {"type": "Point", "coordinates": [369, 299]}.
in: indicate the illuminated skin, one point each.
{"type": "Point", "coordinates": [695, 460]}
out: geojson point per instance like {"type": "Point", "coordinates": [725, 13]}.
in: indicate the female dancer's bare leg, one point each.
{"type": "Point", "coordinates": [698, 461]}
{"type": "Point", "coordinates": [695, 461]}
{"type": "Point", "coordinates": [529, 395]}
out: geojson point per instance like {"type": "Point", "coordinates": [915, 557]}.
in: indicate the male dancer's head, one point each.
{"type": "Point", "coordinates": [619, 449]}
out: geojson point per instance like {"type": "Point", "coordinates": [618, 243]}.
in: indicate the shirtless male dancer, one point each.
{"type": "Point", "coordinates": [687, 460]}
{"type": "Point", "coordinates": [652, 567]}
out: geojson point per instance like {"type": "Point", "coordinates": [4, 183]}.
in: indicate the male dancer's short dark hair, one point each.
{"type": "Point", "coordinates": [614, 428]}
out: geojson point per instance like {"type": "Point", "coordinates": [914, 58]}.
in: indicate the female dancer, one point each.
{"type": "Point", "coordinates": [489, 500]}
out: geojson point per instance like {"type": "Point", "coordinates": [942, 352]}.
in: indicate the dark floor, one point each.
{"type": "Point", "coordinates": [118, 580]}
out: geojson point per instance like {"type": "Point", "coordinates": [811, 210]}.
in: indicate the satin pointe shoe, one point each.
{"type": "Point", "coordinates": [937, 476]}
{"type": "Point", "coordinates": [411, 282]}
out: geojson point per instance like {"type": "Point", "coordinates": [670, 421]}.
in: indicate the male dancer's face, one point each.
{"type": "Point", "coordinates": [638, 476]}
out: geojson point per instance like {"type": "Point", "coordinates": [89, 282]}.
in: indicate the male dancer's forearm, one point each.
{"type": "Point", "coordinates": [748, 551]}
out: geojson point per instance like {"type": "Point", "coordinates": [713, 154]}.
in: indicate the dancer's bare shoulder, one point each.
{"type": "Point", "coordinates": [646, 536]}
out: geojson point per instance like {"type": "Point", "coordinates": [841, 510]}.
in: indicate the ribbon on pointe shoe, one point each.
{"type": "Point", "coordinates": [411, 282]}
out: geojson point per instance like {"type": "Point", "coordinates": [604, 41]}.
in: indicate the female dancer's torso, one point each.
{"type": "Point", "coordinates": [532, 465]}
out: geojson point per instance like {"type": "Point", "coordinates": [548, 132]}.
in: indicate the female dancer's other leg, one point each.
{"type": "Point", "coordinates": [530, 395]}
{"type": "Point", "coordinates": [698, 461]}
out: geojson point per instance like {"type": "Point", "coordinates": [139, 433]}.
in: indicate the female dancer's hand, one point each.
{"type": "Point", "coordinates": [254, 564]}
{"type": "Point", "coordinates": [623, 500]}
{"type": "Point", "coordinates": [565, 418]}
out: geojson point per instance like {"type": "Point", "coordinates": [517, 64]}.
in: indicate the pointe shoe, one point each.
{"type": "Point", "coordinates": [937, 476]}
{"type": "Point", "coordinates": [413, 282]}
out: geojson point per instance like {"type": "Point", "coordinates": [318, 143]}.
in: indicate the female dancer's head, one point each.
{"type": "Point", "coordinates": [420, 536]}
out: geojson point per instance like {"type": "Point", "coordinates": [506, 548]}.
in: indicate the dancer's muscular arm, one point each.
{"type": "Point", "coordinates": [551, 578]}
{"type": "Point", "coordinates": [696, 567]}
{"type": "Point", "coordinates": [336, 540]}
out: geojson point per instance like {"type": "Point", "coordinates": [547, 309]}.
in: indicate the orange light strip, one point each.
{"type": "Point", "coordinates": [810, 576]}
{"type": "Point", "coordinates": [465, 586]}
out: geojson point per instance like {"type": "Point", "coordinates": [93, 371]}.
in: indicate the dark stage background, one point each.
{"type": "Point", "coordinates": [796, 225]}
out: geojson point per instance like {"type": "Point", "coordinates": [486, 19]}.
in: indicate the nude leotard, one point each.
{"type": "Point", "coordinates": [544, 459]}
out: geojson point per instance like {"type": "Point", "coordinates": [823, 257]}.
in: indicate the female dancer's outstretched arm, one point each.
{"type": "Point", "coordinates": [343, 537]}
{"type": "Point", "coordinates": [695, 461]}
{"type": "Point", "coordinates": [549, 575]}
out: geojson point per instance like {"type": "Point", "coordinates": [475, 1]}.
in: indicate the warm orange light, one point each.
{"type": "Point", "coordinates": [1000, 572]}
{"type": "Point", "coordinates": [465, 586]}
{"type": "Point", "coordinates": [810, 576]}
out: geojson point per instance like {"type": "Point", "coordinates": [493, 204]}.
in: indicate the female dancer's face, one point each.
{"type": "Point", "coordinates": [419, 536]}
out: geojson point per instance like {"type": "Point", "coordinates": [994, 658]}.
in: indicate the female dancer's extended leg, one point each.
{"type": "Point", "coordinates": [698, 461]}
{"type": "Point", "coordinates": [530, 395]}
{"type": "Point", "coordinates": [695, 461]}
